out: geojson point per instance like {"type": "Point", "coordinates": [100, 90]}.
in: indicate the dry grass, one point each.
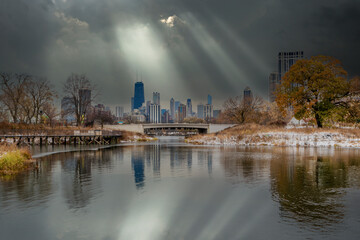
{"type": "Point", "coordinates": [252, 129]}
{"type": "Point", "coordinates": [13, 159]}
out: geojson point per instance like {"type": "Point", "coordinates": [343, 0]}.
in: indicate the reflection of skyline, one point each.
{"type": "Point", "coordinates": [138, 166]}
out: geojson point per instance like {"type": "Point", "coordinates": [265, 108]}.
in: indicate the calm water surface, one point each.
{"type": "Point", "coordinates": [170, 190]}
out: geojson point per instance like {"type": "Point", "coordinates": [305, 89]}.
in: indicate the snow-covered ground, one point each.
{"type": "Point", "coordinates": [316, 139]}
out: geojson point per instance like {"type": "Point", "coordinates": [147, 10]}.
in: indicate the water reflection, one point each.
{"type": "Point", "coordinates": [311, 186]}
{"type": "Point", "coordinates": [206, 192]}
{"type": "Point", "coordinates": [138, 166]}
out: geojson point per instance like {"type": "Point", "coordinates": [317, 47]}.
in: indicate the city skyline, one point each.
{"type": "Point", "coordinates": [175, 47]}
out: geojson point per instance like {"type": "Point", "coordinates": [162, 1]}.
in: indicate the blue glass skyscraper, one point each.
{"type": "Point", "coordinates": [139, 97]}
{"type": "Point", "coordinates": [209, 99]}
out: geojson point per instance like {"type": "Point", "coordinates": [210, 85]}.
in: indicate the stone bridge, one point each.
{"type": "Point", "coordinates": [170, 128]}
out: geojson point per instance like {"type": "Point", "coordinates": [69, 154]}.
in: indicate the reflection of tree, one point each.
{"type": "Point", "coordinates": [78, 189]}
{"type": "Point", "coordinates": [248, 166]}
{"type": "Point", "coordinates": [309, 193]}
{"type": "Point", "coordinates": [31, 186]}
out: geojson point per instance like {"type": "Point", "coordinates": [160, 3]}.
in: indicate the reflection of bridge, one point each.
{"type": "Point", "coordinates": [170, 128]}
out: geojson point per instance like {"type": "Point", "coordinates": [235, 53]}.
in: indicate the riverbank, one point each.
{"type": "Point", "coordinates": [256, 135]}
{"type": "Point", "coordinates": [13, 159]}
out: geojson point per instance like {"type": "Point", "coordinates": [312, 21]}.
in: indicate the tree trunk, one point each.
{"type": "Point", "coordinates": [318, 120]}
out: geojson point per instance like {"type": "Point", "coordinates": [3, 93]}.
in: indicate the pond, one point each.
{"type": "Point", "coordinates": [171, 190]}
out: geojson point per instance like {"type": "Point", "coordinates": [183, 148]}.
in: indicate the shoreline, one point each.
{"type": "Point", "coordinates": [264, 136]}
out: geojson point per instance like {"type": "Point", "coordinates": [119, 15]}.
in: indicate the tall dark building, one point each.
{"type": "Point", "coordinates": [181, 112]}
{"type": "Point", "coordinates": [188, 108]}
{"type": "Point", "coordinates": [247, 95]}
{"type": "Point", "coordinates": [172, 108]}
{"type": "Point", "coordinates": [286, 60]}
{"type": "Point", "coordinates": [139, 97]}
{"type": "Point", "coordinates": [209, 99]}
{"type": "Point", "coordinates": [85, 100]}
{"type": "Point", "coordinates": [156, 98]}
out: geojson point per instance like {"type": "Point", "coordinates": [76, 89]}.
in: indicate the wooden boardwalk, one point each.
{"type": "Point", "coordinates": [85, 139]}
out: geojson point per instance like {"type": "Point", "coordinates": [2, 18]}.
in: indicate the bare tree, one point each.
{"type": "Point", "coordinates": [101, 117]}
{"type": "Point", "coordinates": [79, 93]}
{"type": "Point", "coordinates": [50, 112]}
{"type": "Point", "coordinates": [13, 93]}
{"type": "Point", "coordinates": [38, 93]}
{"type": "Point", "coordinates": [240, 110]}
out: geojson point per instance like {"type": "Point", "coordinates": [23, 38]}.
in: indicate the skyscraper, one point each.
{"type": "Point", "coordinates": [181, 112]}
{"type": "Point", "coordinates": [119, 111]}
{"type": "Point", "coordinates": [188, 108]}
{"type": "Point", "coordinates": [208, 112]}
{"type": "Point", "coordinates": [155, 113]}
{"type": "Point", "coordinates": [67, 109]}
{"type": "Point", "coordinates": [200, 111]}
{"type": "Point", "coordinates": [216, 113]}
{"type": "Point", "coordinates": [247, 95]}
{"type": "Point", "coordinates": [177, 104]}
{"type": "Point", "coordinates": [132, 103]}
{"type": "Point", "coordinates": [139, 97]}
{"type": "Point", "coordinates": [209, 99]}
{"type": "Point", "coordinates": [85, 100]}
{"type": "Point", "coordinates": [286, 60]}
{"type": "Point", "coordinates": [273, 83]}
{"type": "Point", "coordinates": [156, 98]}
{"type": "Point", "coordinates": [148, 107]}
{"type": "Point", "coordinates": [172, 108]}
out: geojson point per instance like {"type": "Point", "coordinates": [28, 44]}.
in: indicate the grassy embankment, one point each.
{"type": "Point", "coordinates": [252, 134]}
{"type": "Point", "coordinates": [13, 159]}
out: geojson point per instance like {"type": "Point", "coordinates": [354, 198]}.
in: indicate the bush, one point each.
{"type": "Point", "coordinates": [13, 159]}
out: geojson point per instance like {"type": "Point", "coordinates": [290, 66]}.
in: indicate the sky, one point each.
{"type": "Point", "coordinates": [180, 48]}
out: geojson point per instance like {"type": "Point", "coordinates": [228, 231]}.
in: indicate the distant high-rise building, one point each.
{"type": "Point", "coordinates": [208, 112]}
{"type": "Point", "coordinates": [132, 103]}
{"type": "Point", "coordinates": [148, 107]}
{"type": "Point", "coordinates": [247, 95]}
{"type": "Point", "coordinates": [165, 116]}
{"type": "Point", "coordinates": [172, 108]}
{"type": "Point", "coordinates": [67, 110]}
{"type": "Point", "coordinates": [273, 83]}
{"type": "Point", "coordinates": [209, 99]}
{"type": "Point", "coordinates": [188, 108]}
{"type": "Point", "coordinates": [139, 97]}
{"type": "Point", "coordinates": [286, 60]}
{"type": "Point", "coordinates": [177, 104]}
{"type": "Point", "coordinates": [181, 112]}
{"type": "Point", "coordinates": [200, 111]}
{"type": "Point", "coordinates": [155, 113]}
{"type": "Point", "coordinates": [119, 111]}
{"type": "Point", "coordinates": [85, 100]}
{"type": "Point", "coordinates": [156, 98]}
{"type": "Point", "coordinates": [216, 113]}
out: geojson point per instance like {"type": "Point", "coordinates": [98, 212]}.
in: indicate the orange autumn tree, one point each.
{"type": "Point", "coordinates": [313, 88]}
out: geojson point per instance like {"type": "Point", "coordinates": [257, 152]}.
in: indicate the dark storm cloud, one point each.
{"type": "Point", "coordinates": [209, 46]}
